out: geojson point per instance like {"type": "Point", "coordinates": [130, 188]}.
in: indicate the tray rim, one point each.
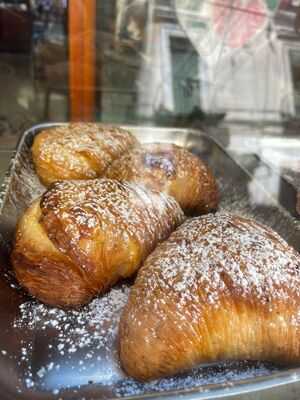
{"type": "Point", "coordinates": [220, 390]}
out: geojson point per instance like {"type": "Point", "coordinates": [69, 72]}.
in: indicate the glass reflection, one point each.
{"type": "Point", "coordinates": [153, 62]}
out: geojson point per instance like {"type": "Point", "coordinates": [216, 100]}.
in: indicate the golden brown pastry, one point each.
{"type": "Point", "coordinates": [221, 287]}
{"type": "Point", "coordinates": [78, 151]}
{"type": "Point", "coordinates": [171, 169]}
{"type": "Point", "coordinates": [83, 236]}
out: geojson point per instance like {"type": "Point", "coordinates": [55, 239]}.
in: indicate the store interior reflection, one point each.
{"type": "Point", "coordinates": [231, 68]}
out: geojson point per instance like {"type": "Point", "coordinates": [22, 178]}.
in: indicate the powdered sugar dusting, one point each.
{"type": "Point", "coordinates": [212, 268]}
{"type": "Point", "coordinates": [84, 341]}
{"type": "Point", "coordinates": [23, 187]}
{"type": "Point", "coordinates": [171, 169]}
{"type": "Point", "coordinates": [85, 338]}
{"type": "Point", "coordinates": [79, 150]}
{"type": "Point", "coordinates": [225, 374]}
{"type": "Point", "coordinates": [118, 207]}
{"type": "Point", "coordinates": [222, 251]}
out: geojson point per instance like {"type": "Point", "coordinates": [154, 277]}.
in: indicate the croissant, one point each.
{"type": "Point", "coordinates": [78, 151]}
{"type": "Point", "coordinates": [221, 287]}
{"type": "Point", "coordinates": [81, 237]}
{"type": "Point", "coordinates": [171, 169]}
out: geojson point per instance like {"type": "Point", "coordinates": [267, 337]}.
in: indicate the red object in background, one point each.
{"type": "Point", "coordinates": [238, 21]}
{"type": "Point", "coordinates": [15, 29]}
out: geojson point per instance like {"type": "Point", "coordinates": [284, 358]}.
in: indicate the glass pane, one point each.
{"type": "Point", "coordinates": [159, 62]}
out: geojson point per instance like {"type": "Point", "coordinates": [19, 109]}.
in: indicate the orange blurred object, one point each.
{"type": "Point", "coordinates": [82, 59]}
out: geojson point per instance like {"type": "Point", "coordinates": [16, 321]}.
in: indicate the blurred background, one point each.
{"type": "Point", "coordinates": [229, 67]}
{"type": "Point", "coordinates": [166, 62]}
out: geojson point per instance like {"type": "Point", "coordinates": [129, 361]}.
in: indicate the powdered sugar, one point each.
{"type": "Point", "coordinates": [106, 371]}
{"type": "Point", "coordinates": [171, 169]}
{"type": "Point", "coordinates": [84, 341]}
{"type": "Point", "coordinates": [79, 150]}
{"type": "Point", "coordinates": [225, 374]}
{"type": "Point", "coordinates": [221, 251]}
{"type": "Point", "coordinates": [122, 208]}
{"type": "Point", "coordinates": [196, 294]}
{"type": "Point", "coordinates": [83, 337]}
{"type": "Point", "coordinates": [99, 312]}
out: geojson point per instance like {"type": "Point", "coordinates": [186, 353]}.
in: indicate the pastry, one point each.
{"type": "Point", "coordinates": [81, 237]}
{"type": "Point", "coordinates": [221, 287]}
{"type": "Point", "coordinates": [171, 169]}
{"type": "Point", "coordinates": [78, 150]}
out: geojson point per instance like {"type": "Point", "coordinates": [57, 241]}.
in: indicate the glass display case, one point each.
{"type": "Point", "coordinates": [225, 70]}
{"type": "Point", "coordinates": [229, 67]}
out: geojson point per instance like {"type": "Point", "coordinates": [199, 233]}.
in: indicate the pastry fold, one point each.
{"type": "Point", "coordinates": [81, 237]}
{"type": "Point", "coordinates": [222, 287]}
{"type": "Point", "coordinates": [171, 169]}
{"type": "Point", "coordinates": [78, 150]}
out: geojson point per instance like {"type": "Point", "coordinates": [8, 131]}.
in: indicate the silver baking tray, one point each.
{"type": "Point", "coordinates": [46, 353]}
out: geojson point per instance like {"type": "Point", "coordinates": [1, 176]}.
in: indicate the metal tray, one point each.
{"type": "Point", "coordinates": [47, 353]}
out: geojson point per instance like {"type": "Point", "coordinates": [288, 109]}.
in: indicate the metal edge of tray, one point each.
{"type": "Point", "coordinates": [221, 390]}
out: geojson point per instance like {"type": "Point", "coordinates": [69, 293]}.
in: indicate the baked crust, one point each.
{"type": "Point", "coordinates": [83, 236]}
{"type": "Point", "coordinates": [171, 169]}
{"type": "Point", "coordinates": [221, 287]}
{"type": "Point", "coordinates": [78, 150]}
